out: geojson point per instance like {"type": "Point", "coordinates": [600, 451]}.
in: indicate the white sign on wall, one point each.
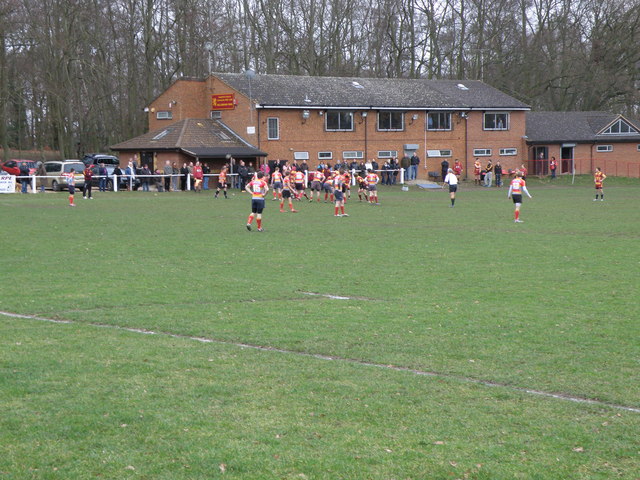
{"type": "Point", "coordinates": [7, 184]}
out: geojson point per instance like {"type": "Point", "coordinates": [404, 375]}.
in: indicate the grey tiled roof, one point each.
{"type": "Point", "coordinates": [190, 135]}
{"type": "Point", "coordinates": [555, 127]}
{"type": "Point", "coordinates": [319, 92]}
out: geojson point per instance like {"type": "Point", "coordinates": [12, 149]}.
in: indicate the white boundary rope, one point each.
{"type": "Point", "coordinates": [486, 383]}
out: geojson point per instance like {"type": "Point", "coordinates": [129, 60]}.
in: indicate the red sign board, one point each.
{"type": "Point", "coordinates": [225, 101]}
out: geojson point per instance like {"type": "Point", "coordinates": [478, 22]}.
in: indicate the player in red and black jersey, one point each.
{"type": "Point", "coordinates": [598, 179]}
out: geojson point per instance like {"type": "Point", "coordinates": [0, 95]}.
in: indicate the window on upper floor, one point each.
{"type": "Point", "coordinates": [620, 128]}
{"type": "Point", "coordinates": [439, 121]}
{"type": "Point", "coordinates": [390, 121]}
{"type": "Point", "coordinates": [164, 114]}
{"type": "Point", "coordinates": [273, 128]}
{"type": "Point", "coordinates": [338, 121]}
{"type": "Point", "coordinates": [496, 121]}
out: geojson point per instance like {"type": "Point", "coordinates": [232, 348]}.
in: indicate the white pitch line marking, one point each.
{"type": "Point", "coordinates": [486, 383]}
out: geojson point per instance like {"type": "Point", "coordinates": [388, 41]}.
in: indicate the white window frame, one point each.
{"type": "Point", "coordinates": [325, 155]}
{"type": "Point", "coordinates": [330, 113]}
{"type": "Point", "coordinates": [638, 147]}
{"type": "Point", "coordinates": [301, 155]}
{"type": "Point", "coordinates": [505, 152]}
{"type": "Point", "coordinates": [391, 113]}
{"type": "Point", "coordinates": [619, 124]}
{"type": "Point", "coordinates": [387, 153]}
{"type": "Point", "coordinates": [216, 114]}
{"type": "Point", "coordinates": [353, 155]}
{"type": "Point", "coordinates": [505, 125]}
{"type": "Point", "coordinates": [481, 152]}
{"type": "Point", "coordinates": [439, 153]}
{"type": "Point", "coordinates": [447, 121]}
{"type": "Point", "coordinates": [270, 120]}
{"type": "Point", "coordinates": [164, 115]}
{"type": "Point", "coordinates": [604, 148]}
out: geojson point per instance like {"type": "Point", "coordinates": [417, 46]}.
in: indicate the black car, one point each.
{"type": "Point", "coordinates": [122, 179]}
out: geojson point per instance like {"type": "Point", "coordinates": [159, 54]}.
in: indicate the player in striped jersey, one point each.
{"type": "Point", "coordinates": [372, 185]}
{"type": "Point", "coordinates": [287, 193]}
{"type": "Point", "coordinates": [276, 184]}
{"type": "Point", "coordinates": [316, 184]}
{"type": "Point", "coordinates": [258, 188]}
{"type": "Point", "coordinates": [222, 182]}
{"type": "Point", "coordinates": [337, 183]}
{"type": "Point", "coordinates": [516, 188]}
{"type": "Point", "coordinates": [598, 179]}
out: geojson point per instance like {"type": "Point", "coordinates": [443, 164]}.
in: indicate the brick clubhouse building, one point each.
{"type": "Point", "coordinates": [335, 119]}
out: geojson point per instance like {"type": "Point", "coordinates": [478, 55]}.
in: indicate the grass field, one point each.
{"type": "Point", "coordinates": [453, 328]}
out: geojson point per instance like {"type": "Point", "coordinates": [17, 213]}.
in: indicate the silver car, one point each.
{"type": "Point", "coordinates": [54, 170]}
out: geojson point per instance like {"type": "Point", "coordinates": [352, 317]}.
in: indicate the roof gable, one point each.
{"type": "Point", "coordinates": [558, 127]}
{"type": "Point", "coordinates": [351, 92]}
{"type": "Point", "coordinates": [189, 135]}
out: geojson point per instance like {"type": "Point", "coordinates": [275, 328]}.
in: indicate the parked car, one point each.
{"type": "Point", "coordinates": [98, 158]}
{"type": "Point", "coordinates": [122, 180]}
{"type": "Point", "coordinates": [54, 178]}
{"type": "Point", "coordinates": [12, 167]}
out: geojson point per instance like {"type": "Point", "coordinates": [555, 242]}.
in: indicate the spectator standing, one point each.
{"type": "Point", "coordinates": [524, 172]}
{"type": "Point", "coordinates": [205, 174]}
{"type": "Point", "coordinates": [167, 172]}
{"type": "Point", "coordinates": [405, 164]}
{"type": "Point", "coordinates": [488, 175]}
{"type": "Point", "coordinates": [175, 176]}
{"type": "Point", "coordinates": [130, 174]}
{"type": "Point", "coordinates": [415, 161]}
{"type": "Point", "coordinates": [444, 168]}
{"type": "Point", "coordinates": [24, 176]}
{"type": "Point", "coordinates": [102, 178]}
{"type": "Point", "coordinates": [88, 178]}
{"type": "Point", "coordinates": [243, 174]}
{"type": "Point", "coordinates": [184, 175]}
{"type": "Point", "coordinates": [145, 177]}
{"type": "Point", "coordinates": [553, 164]}
{"type": "Point", "coordinates": [498, 172]}
{"type": "Point", "coordinates": [117, 175]}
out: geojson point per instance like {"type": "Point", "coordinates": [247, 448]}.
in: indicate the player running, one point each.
{"type": "Point", "coordinates": [598, 179]}
{"type": "Point", "coordinates": [451, 179]}
{"type": "Point", "coordinates": [258, 188]}
{"type": "Point", "coordinates": [222, 182]}
{"type": "Point", "coordinates": [298, 182]}
{"type": "Point", "coordinates": [516, 188]}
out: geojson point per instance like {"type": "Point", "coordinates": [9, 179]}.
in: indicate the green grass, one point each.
{"type": "Point", "coordinates": [464, 293]}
